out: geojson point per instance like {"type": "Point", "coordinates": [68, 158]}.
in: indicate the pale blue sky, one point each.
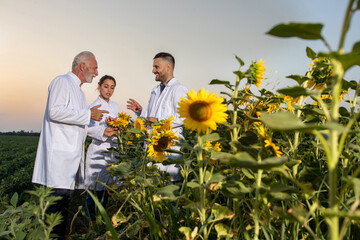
{"type": "Point", "coordinates": [39, 38]}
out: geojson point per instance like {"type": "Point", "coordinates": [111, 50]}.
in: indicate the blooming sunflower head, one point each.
{"type": "Point", "coordinates": [256, 71]}
{"type": "Point", "coordinates": [202, 111]}
{"type": "Point", "coordinates": [140, 124]}
{"type": "Point", "coordinates": [158, 144]}
{"type": "Point", "coordinates": [268, 143]}
{"type": "Point", "coordinates": [163, 126]}
{"type": "Point", "coordinates": [121, 121]}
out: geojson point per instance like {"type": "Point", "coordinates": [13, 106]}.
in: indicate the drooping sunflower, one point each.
{"type": "Point", "coordinates": [256, 71]}
{"type": "Point", "coordinates": [159, 143]}
{"type": "Point", "coordinates": [202, 111]}
{"type": "Point", "coordinates": [321, 72]}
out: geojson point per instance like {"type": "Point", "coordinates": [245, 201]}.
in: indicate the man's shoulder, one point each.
{"type": "Point", "coordinates": [179, 88]}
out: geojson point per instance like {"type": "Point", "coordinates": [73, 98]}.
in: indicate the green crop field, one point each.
{"type": "Point", "coordinates": [17, 156]}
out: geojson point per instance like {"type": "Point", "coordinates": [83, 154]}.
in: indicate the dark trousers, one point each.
{"type": "Point", "coordinates": [90, 204]}
{"type": "Point", "coordinates": [62, 207]}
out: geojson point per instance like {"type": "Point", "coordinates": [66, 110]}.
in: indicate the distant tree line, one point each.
{"type": "Point", "coordinates": [21, 133]}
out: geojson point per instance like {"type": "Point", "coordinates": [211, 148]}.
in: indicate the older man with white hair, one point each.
{"type": "Point", "coordinates": [61, 145]}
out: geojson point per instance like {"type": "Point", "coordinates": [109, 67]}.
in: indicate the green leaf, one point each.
{"type": "Point", "coordinates": [223, 230]}
{"type": "Point", "coordinates": [122, 169]}
{"type": "Point", "coordinates": [170, 192]}
{"type": "Point", "coordinates": [298, 78]}
{"type": "Point", "coordinates": [244, 160]}
{"type": "Point", "coordinates": [310, 53]}
{"type": "Point", "coordinates": [280, 187]}
{"type": "Point", "coordinates": [14, 199]}
{"type": "Point", "coordinates": [104, 215]}
{"type": "Point", "coordinates": [219, 82]}
{"type": "Point", "coordinates": [235, 189]}
{"type": "Point", "coordinates": [281, 196]}
{"type": "Point", "coordinates": [212, 137]}
{"type": "Point", "coordinates": [135, 130]}
{"type": "Point", "coordinates": [294, 92]}
{"type": "Point", "coordinates": [215, 178]}
{"type": "Point", "coordinates": [282, 121]}
{"type": "Point", "coordinates": [193, 185]}
{"type": "Point", "coordinates": [356, 184]}
{"type": "Point", "coordinates": [347, 60]}
{"type": "Point", "coordinates": [221, 212]}
{"type": "Point", "coordinates": [356, 47]}
{"type": "Point", "coordinates": [249, 138]}
{"type": "Point", "coordinates": [311, 31]}
{"type": "Point", "coordinates": [240, 74]}
{"type": "Point", "coordinates": [240, 61]}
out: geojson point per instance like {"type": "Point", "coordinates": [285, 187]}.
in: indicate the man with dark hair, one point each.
{"type": "Point", "coordinates": [61, 145]}
{"type": "Point", "coordinates": [163, 102]}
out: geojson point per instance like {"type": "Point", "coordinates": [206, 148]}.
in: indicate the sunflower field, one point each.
{"type": "Point", "coordinates": [255, 164]}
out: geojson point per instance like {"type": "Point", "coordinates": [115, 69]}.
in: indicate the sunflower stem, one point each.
{"type": "Point", "coordinates": [202, 209]}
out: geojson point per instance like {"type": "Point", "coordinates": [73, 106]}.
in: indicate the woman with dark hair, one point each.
{"type": "Point", "coordinates": [96, 160]}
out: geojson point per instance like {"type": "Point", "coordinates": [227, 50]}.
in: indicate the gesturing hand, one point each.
{"type": "Point", "coordinates": [133, 105]}
{"type": "Point", "coordinates": [97, 114]}
{"type": "Point", "coordinates": [109, 131]}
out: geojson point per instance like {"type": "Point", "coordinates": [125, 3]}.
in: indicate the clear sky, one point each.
{"type": "Point", "coordinates": [39, 39]}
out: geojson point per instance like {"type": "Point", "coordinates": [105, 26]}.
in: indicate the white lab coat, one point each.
{"type": "Point", "coordinates": [97, 161]}
{"type": "Point", "coordinates": [162, 105]}
{"type": "Point", "coordinates": [61, 144]}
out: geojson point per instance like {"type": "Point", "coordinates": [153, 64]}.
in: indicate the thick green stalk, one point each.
{"type": "Point", "coordinates": [334, 148]}
{"type": "Point", "coordinates": [346, 25]}
{"type": "Point", "coordinates": [257, 203]}
{"type": "Point", "coordinates": [235, 104]}
{"type": "Point", "coordinates": [202, 209]}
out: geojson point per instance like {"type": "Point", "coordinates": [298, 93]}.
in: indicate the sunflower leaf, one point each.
{"type": "Point", "coordinates": [298, 78]}
{"type": "Point", "coordinates": [245, 160]}
{"type": "Point", "coordinates": [356, 47]}
{"type": "Point", "coordinates": [170, 192]}
{"type": "Point", "coordinates": [240, 61]}
{"type": "Point", "coordinates": [347, 60]}
{"type": "Point", "coordinates": [311, 31]}
{"type": "Point", "coordinates": [294, 91]}
{"type": "Point", "coordinates": [212, 137]}
{"type": "Point", "coordinates": [310, 53]}
{"type": "Point", "coordinates": [282, 121]}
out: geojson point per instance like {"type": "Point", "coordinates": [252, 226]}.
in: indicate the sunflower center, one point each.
{"type": "Point", "coordinates": [162, 144]}
{"type": "Point", "coordinates": [200, 111]}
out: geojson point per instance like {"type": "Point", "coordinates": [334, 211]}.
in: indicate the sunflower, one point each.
{"type": "Point", "coordinates": [202, 111]}
{"type": "Point", "coordinates": [139, 124]}
{"type": "Point", "coordinates": [216, 147]}
{"type": "Point", "coordinates": [256, 71]}
{"type": "Point", "coordinates": [268, 143]}
{"type": "Point", "coordinates": [159, 143]}
{"type": "Point", "coordinates": [290, 102]}
{"type": "Point", "coordinates": [121, 121]}
{"type": "Point", "coordinates": [162, 126]}
{"type": "Point", "coordinates": [320, 73]}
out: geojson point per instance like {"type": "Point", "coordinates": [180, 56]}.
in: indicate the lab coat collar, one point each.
{"type": "Point", "coordinates": [102, 101]}
{"type": "Point", "coordinates": [168, 83]}
{"type": "Point", "coordinates": [75, 78]}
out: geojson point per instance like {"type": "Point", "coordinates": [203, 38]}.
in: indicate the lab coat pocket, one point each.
{"type": "Point", "coordinates": [65, 139]}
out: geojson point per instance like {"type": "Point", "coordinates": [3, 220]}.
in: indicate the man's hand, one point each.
{"type": "Point", "coordinates": [134, 106]}
{"type": "Point", "coordinates": [97, 114]}
{"type": "Point", "coordinates": [109, 131]}
{"type": "Point", "coordinates": [109, 119]}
